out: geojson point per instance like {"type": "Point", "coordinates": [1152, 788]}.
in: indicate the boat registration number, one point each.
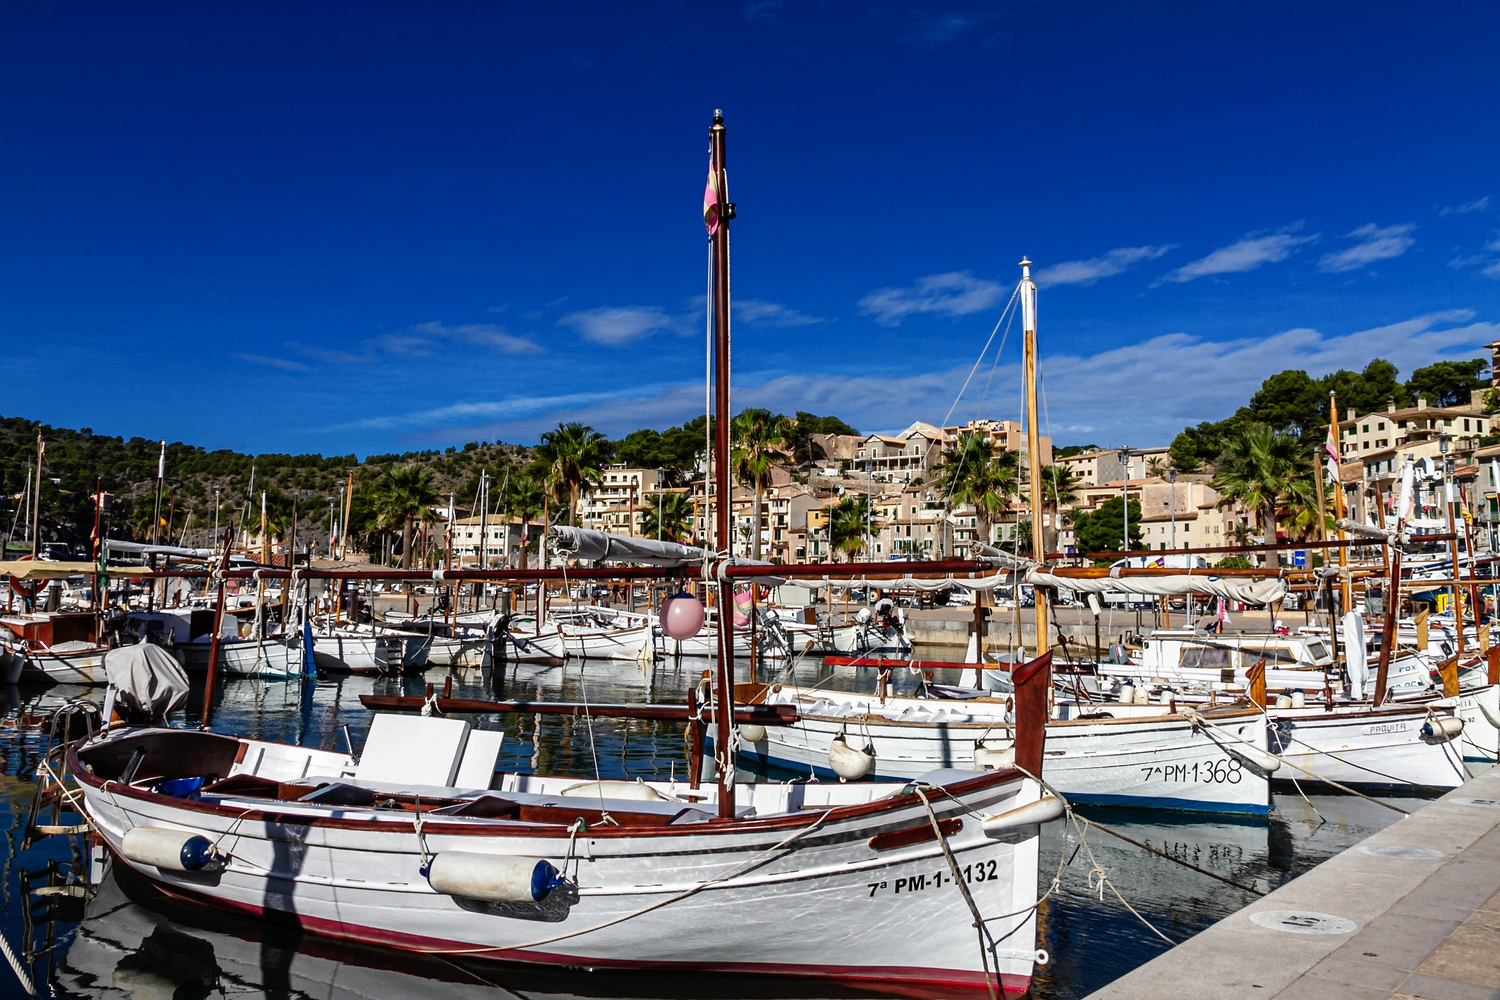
{"type": "Point", "coordinates": [1225, 770]}
{"type": "Point", "coordinates": [980, 871]}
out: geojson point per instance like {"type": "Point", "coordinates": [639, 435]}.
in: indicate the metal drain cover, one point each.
{"type": "Point", "coordinates": [1476, 802]}
{"type": "Point", "coordinates": [1302, 922]}
{"type": "Point", "coordinates": [1402, 851]}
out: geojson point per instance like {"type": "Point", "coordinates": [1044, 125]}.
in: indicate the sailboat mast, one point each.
{"type": "Point", "coordinates": [1033, 443]}
{"type": "Point", "coordinates": [724, 741]}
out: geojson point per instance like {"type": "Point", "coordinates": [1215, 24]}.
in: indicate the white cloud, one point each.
{"type": "Point", "coordinates": [421, 341]}
{"type": "Point", "coordinates": [774, 314]}
{"type": "Point", "coordinates": [1173, 380]}
{"type": "Point", "coordinates": [1493, 270]}
{"type": "Point", "coordinates": [1245, 255]}
{"type": "Point", "coordinates": [1086, 272]}
{"type": "Point", "coordinates": [480, 335]}
{"type": "Point", "coordinates": [957, 293]}
{"type": "Point", "coordinates": [622, 324]}
{"type": "Point", "coordinates": [1375, 243]}
{"type": "Point", "coordinates": [281, 363]}
{"type": "Point", "coordinates": [1478, 205]}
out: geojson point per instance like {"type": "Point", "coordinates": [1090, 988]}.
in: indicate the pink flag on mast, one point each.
{"type": "Point", "coordinates": [711, 199]}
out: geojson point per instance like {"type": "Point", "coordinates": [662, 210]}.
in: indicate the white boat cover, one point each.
{"type": "Point", "coordinates": [1356, 656]}
{"type": "Point", "coordinates": [146, 680]}
{"type": "Point", "coordinates": [1246, 591]}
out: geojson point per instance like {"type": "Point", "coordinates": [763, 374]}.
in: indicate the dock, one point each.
{"type": "Point", "coordinates": [1411, 912]}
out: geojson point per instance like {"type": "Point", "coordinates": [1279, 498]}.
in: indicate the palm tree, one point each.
{"type": "Point", "coordinates": [523, 499]}
{"type": "Point", "coordinates": [847, 523]}
{"type": "Point", "coordinates": [1156, 465]}
{"type": "Point", "coordinates": [760, 444]}
{"type": "Point", "coordinates": [1059, 489]}
{"type": "Point", "coordinates": [974, 473]}
{"type": "Point", "coordinates": [574, 454]}
{"type": "Point", "coordinates": [1262, 469]}
{"type": "Point", "coordinates": [404, 496]}
{"type": "Point", "coordinates": [675, 522]}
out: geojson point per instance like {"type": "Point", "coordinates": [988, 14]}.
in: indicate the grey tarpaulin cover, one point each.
{"type": "Point", "coordinates": [590, 546]}
{"type": "Point", "coordinates": [146, 680]}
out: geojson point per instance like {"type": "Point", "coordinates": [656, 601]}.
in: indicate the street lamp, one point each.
{"type": "Point", "coordinates": [869, 499]}
{"type": "Point", "coordinates": [1125, 495]}
{"type": "Point", "coordinates": [1172, 478]}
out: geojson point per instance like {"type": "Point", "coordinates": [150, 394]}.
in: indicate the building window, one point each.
{"type": "Point", "coordinates": [1365, 429]}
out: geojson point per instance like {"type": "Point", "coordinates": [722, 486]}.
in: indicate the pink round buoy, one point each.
{"type": "Point", "coordinates": [681, 616]}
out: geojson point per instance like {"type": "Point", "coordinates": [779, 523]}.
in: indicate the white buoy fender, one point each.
{"type": "Point", "coordinates": [637, 791]}
{"type": "Point", "coordinates": [1127, 694]}
{"type": "Point", "coordinates": [1253, 754]}
{"type": "Point", "coordinates": [1489, 716]}
{"type": "Point", "coordinates": [996, 758]}
{"type": "Point", "coordinates": [1443, 728]}
{"type": "Point", "coordinates": [498, 878]}
{"type": "Point", "coordinates": [752, 733]}
{"type": "Point", "coordinates": [1044, 810]}
{"type": "Point", "coordinates": [847, 762]}
{"type": "Point", "coordinates": [171, 850]}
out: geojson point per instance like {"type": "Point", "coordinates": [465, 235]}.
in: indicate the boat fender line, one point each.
{"type": "Point", "coordinates": [495, 878]}
{"type": "Point", "coordinates": [1442, 727]}
{"type": "Point", "coordinates": [168, 849]}
{"type": "Point", "coordinates": [963, 888]}
{"type": "Point", "coordinates": [1266, 761]}
{"type": "Point", "coordinates": [1489, 716]}
{"type": "Point", "coordinates": [1043, 810]}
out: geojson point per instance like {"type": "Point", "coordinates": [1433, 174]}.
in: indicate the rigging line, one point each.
{"type": "Point", "coordinates": [994, 365]}
{"type": "Point", "coordinates": [1162, 854]}
{"type": "Point", "coordinates": [958, 469]}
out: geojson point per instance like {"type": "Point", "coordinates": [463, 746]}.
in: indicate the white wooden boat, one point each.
{"type": "Point", "coordinates": [1124, 755]}
{"type": "Point", "coordinates": [1388, 748]}
{"type": "Point", "coordinates": [358, 653]}
{"type": "Point", "coordinates": [296, 836]}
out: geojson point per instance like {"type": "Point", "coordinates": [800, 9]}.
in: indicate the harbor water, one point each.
{"type": "Point", "coordinates": [126, 942]}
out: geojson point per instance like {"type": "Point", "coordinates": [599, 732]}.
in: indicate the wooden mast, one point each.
{"type": "Point", "coordinates": [724, 211]}
{"type": "Point", "coordinates": [1033, 444]}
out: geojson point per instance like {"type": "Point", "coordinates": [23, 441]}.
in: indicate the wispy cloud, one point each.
{"type": "Point", "coordinates": [942, 27]}
{"type": "Point", "coordinates": [1086, 272]}
{"type": "Point", "coordinates": [281, 363]}
{"type": "Point", "coordinates": [762, 10]}
{"type": "Point", "coordinates": [757, 312]}
{"type": "Point", "coordinates": [1375, 243]}
{"type": "Point", "coordinates": [957, 293]}
{"type": "Point", "coordinates": [621, 324]}
{"type": "Point", "coordinates": [1492, 271]}
{"type": "Point", "coordinates": [1176, 379]}
{"type": "Point", "coordinates": [1244, 255]}
{"type": "Point", "coordinates": [1477, 205]}
{"type": "Point", "coordinates": [424, 340]}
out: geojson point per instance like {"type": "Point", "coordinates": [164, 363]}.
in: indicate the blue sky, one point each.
{"type": "Point", "coordinates": [373, 227]}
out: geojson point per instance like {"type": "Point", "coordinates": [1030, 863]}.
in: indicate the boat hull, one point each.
{"type": "Point", "coordinates": [1163, 762]}
{"type": "Point", "coordinates": [805, 892]}
{"type": "Point", "coordinates": [1380, 749]}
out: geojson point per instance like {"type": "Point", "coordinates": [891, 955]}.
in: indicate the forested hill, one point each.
{"type": "Point", "coordinates": [1295, 403]}
{"type": "Point", "coordinates": [126, 467]}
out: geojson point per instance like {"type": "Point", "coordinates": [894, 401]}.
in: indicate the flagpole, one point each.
{"type": "Point", "coordinates": [36, 500]}
{"type": "Point", "coordinates": [1338, 498]}
{"type": "Point", "coordinates": [718, 227]}
{"type": "Point", "coordinates": [161, 473]}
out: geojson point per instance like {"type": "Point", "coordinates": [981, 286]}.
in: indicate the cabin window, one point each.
{"type": "Point", "coordinates": [1317, 650]}
{"type": "Point", "coordinates": [1271, 654]}
{"type": "Point", "coordinates": [1212, 657]}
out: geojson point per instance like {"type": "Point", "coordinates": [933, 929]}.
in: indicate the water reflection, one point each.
{"type": "Point", "coordinates": [149, 947]}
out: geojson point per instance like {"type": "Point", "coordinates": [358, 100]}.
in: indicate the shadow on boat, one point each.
{"type": "Point", "coordinates": [138, 942]}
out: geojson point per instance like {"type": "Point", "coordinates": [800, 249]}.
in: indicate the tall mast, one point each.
{"type": "Point", "coordinates": [36, 500]}
{"type": "Point", "coordinates": [723, 211]}
{"type": "Point", "coordinates": [1033, 443]}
